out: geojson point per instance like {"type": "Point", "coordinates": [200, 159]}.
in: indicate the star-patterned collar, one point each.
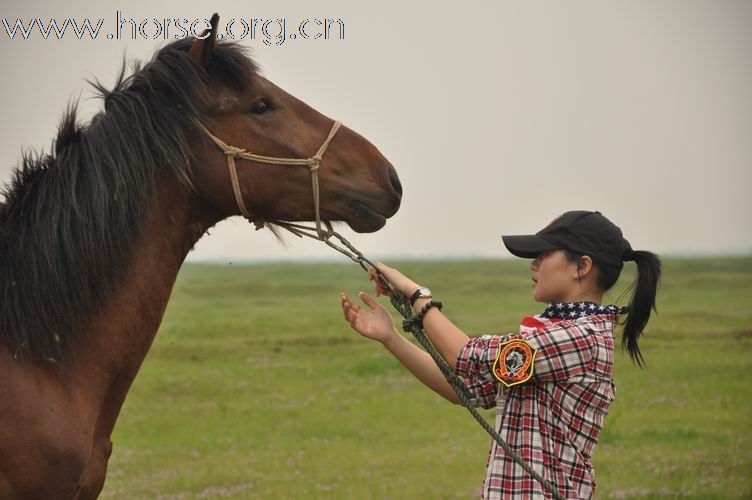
{"type": "Point", "coordinates": [572, 310]}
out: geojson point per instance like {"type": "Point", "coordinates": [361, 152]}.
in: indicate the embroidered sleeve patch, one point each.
{"type": "Point", "coordinates": [515, 362]}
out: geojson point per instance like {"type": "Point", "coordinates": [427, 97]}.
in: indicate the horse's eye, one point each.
{"type": "Point", "coordinates": [261, 106]}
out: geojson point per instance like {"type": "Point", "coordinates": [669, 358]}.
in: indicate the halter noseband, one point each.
{"type": "Point", "coordinates": [313, 163]}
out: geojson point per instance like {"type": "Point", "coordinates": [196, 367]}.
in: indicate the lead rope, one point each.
{"type": "Point", "coordinates": [401, 304]}
{"type": "Point", "coordinates": [398, 300]}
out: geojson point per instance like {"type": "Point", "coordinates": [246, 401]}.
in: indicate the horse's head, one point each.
{"type": "Point", "coordinates": [357, 184]}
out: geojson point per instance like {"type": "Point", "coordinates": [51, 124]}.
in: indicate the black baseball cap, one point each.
{"type": "Point", "coordinates": [582, 231]}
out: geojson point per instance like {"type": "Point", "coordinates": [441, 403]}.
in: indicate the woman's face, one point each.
{"type": "Point", "coordinates": [554, 277]}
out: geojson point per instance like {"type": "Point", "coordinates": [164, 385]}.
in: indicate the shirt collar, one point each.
{"type": "Point", "coordinates": [570, 310]}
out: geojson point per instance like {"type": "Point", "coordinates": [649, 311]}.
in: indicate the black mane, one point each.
{"type": "Point", "coordinates": [70, 218]}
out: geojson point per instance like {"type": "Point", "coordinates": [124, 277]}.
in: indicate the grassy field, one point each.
{"type": "Point", "coordinates": [257, 388]}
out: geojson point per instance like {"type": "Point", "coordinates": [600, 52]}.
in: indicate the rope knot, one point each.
{"type": "Point", "coordinates": [315, 163]}
{"type": "Point", "coordinates": [233, 151]}
{"type": "Point", "coordinates": [409, 323]}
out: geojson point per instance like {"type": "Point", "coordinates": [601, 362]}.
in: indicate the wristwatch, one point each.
{"type": "Point", "coordinates": [420, 293]}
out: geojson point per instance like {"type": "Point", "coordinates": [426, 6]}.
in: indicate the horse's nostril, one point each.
{"type": "Point", "coordinates": [394, 179]}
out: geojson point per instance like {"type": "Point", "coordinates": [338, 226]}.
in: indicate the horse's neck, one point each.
{"type": "Point", "coordinates": [110, 350]}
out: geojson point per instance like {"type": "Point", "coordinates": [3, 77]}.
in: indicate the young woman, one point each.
{"type": "Point", "coordinates": [550, 382]}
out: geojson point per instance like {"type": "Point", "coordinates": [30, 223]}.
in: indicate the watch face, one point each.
{"type": "Point", "coordinates": [425, 291]}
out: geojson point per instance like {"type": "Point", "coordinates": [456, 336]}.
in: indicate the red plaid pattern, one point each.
{"type": "Point", "coordinates": [554, 419]}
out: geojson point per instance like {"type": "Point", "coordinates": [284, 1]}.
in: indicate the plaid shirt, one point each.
{"type": "Point", "coordinates": [553, 420]}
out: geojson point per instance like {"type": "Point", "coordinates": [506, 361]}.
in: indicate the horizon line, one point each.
{"type": "Point", "coordinates": [334, 259]}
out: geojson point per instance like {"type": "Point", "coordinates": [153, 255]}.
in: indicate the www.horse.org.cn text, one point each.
{"type": "Point", "coordinates": [270, 32]}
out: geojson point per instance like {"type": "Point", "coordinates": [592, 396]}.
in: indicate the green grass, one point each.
{"type": "Point", "coordinates": [257, 388]}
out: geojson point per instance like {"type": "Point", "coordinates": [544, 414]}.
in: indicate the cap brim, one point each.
{"type": "Point", "coordinates": [527, 246]}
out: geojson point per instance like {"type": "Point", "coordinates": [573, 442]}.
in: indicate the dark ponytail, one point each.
{"type": "Point", "coordinates": [643, 300]}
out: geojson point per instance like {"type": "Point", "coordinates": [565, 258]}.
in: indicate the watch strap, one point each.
{"type": "Point", "coordinates": [416, 295]}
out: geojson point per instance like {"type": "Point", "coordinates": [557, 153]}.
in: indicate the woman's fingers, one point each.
{"type": "Point", "coordinates": [374, 276]}
{"type": "Point", "coordinates": [351, 316]}
{"type": "Point", "coordinates": [368, 300]}
{"type": "Point", "coordinates": [382, 289]}
{"type": "Point", "coordinates": [378, 274]}
{"type": "Point", "coordinates": [351, 310]}
{"type": "Point", "coordinates": [348, 304]}
{"type": "Point", "coordinates": [377, 269]}
{"type": "Point", "coordinates": [347, 308]}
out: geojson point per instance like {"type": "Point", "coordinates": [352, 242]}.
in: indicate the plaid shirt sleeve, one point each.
{"type": "Point", "coordinates": [564, 351]}
{"type": "Point", "coordinates": [474, 365]}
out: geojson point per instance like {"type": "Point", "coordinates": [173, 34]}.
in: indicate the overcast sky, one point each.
{"type": "Point", "coordinates": [497, 115]}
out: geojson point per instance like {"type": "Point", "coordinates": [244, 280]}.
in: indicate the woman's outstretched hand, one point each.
{"type": "Point", "coordinates": [399, 281]}
{"type": "Point", "coordinates": [372, 322]}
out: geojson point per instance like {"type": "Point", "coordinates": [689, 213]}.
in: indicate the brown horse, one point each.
{"type": "Point", "coordinates": [92, 237]}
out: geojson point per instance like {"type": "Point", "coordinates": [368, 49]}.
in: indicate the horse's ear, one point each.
{"type": "Point", "coordinates": [202, 48]}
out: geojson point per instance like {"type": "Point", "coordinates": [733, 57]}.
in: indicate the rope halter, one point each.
{"type": "Point", "coordinates": [313, 163]}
